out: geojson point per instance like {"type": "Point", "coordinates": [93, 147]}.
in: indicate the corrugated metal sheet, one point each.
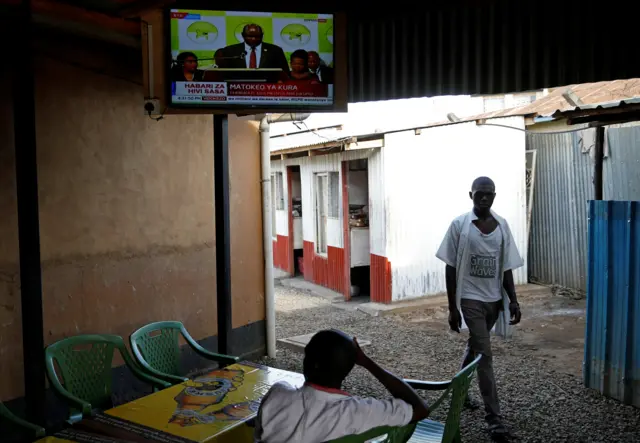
{"type": "Point", "coordinates": [559, 217]}
{"type": "Point", "coordinates": [423, 197]}
{"type": "Point", "coordinates": [563, 186]}
{"type": "Point", "coordinates": [603, 105]}
{"type": "Point", "coordinates": [473, 47]}
{"type": "Point", "coordinates": [308, 139]}
{"type": "Point", "coordinates": [622, 166]}
{"type": "Point", "coordinates": [486, 47]}
{"type": "Point", "coordinates": [612, 343]}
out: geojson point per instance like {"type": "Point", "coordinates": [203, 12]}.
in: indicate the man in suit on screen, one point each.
{"type": "Point", "coordinates": [320, 69]}
{"type": "Point", "coordinates": [254, 53]}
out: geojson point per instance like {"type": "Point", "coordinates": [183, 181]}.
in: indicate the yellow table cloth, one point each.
{"type": "Point", "coordinates": [216, 406]}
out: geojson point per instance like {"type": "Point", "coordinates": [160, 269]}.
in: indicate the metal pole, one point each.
{"type": "Point", "coordinates": [24, 118]}
{"type": "Point", "coordinates": [599, 159]}
{"type": "Point", "coordinates": [222, 229]}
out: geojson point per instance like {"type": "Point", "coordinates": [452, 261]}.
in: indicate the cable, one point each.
{"type": "Point", "coordinates": [156, 119]}
{"type": "Point", "coordinates": [315, 132]}
{"type": "Point", "coordinates": [150, 108]}
{"type": "Point", "coordinates": [528, 131]}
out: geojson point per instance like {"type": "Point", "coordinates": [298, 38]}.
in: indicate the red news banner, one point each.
{"type": "Point", "coordinates": [297, 90]}
{"type": "Point", "coordinates": [214, 91]}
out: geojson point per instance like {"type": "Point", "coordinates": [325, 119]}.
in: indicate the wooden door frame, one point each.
{"type": "Point", "coordinates": [534, 154]}
{"type": "Point", "coordinates": [292, 246]}
{"type": "Point", "coordinates": [345, 230]}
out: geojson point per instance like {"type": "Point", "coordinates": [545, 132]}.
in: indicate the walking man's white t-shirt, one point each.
{"type": "Point", "coordinates": [477, 258]}
{"type": "Point", "coordinates": [481, 281]}
{"type": "Point", "coordinates": [314, 414]}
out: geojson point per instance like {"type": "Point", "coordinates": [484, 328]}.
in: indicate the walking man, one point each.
{"type": "Point", "coordinates": [480, 254]}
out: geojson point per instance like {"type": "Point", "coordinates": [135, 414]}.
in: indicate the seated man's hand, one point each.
{"type": "Point", "coordinates": [361, 357]}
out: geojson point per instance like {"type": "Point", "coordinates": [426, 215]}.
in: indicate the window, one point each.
{"type": "Point", "coordinates": [334, 195]}
{"type": "Point", "coordinates": [327, 198]}
{"type": "Point", "coordinates": [322, 209]}
{"type": "Point", "coordinates": [279, 197]}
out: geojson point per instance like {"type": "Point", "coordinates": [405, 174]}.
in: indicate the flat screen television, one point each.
{"type": "Point", "coordinates": [239, 59]}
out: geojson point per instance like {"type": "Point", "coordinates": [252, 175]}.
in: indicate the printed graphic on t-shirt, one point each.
{"type": "Point", "coordinates": [483, 266]}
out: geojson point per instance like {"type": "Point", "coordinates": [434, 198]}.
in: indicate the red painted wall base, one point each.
{"type": "Point", "coordinates": [282, 251]}
{"type": "Point", "coordinates": [380, 279]}
{"type": "Point", "coordinates": [325, 271]}
{"type": "Point", "coordinates": [330, 271]}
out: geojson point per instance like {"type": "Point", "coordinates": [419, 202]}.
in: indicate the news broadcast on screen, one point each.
{"type": "Point", "coordinates": [223, 58]}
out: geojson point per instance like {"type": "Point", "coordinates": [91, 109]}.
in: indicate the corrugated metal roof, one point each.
{"type": "Point", "coordinates": [600, 95]}
{"type": "Point", "coordinates": [593, 95]}
{"type": "Point", "coordinates": [456, 47]}
{"type": "Point", "coordinates": [313, 139]}
{"type": "Point", "coordinates": [487, 47]}
{"type": "Point", "coordinates": [595, 106]}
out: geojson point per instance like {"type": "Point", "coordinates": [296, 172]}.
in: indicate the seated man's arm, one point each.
{"type": "Point", "coordinates": [396, 386]}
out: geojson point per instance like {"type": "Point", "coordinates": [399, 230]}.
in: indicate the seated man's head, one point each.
{"type": "Point", "coordinates": [328, 358]}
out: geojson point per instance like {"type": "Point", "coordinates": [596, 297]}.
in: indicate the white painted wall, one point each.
{"type": "Point", "coordinates": [428, 178]}
{"type": "Point", "coordinates": [378, 204]}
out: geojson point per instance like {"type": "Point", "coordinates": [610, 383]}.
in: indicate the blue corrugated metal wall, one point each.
{"type": "Point", "coordinates": [612, 343]}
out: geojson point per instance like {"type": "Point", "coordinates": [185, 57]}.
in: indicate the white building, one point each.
{"type": "Point", "coordinates": [411, 181]}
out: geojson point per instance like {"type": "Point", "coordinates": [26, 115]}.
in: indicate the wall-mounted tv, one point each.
{"type": "Point", "coordinates": [239, 59]}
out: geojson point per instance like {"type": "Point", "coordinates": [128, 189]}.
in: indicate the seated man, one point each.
{"type": "Point", "coordinates": [319, 411]}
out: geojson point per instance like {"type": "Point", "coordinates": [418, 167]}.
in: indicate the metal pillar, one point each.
{"type": "Point", "coordinates": [28, 221]}
{"type": "Point", "coordinates": [599, 159]}
{"type": "Point", "coordinates": [223, 230]}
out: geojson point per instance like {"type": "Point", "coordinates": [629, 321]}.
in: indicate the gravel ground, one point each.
{"type": "Point", "coordinates": [540, 404]}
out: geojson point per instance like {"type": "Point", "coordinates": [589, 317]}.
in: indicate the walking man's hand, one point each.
{"type": "Point", "coordinates": [514, 310]}
{"type": "Point", "coordinates": [455, 319]}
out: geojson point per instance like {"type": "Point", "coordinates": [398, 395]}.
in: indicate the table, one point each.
{"type": "Point", "coordinates": [77, 436]}
{"type": "Point", "coordinates": [217, 406]}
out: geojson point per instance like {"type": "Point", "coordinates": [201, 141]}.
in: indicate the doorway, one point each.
{"type": "Point", "coordinates": [356, 228]}
{"type": "Point", "coordinates": [296, 265]}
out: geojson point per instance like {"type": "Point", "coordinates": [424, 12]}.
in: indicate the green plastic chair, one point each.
{"type": "Point", "coordinates": [427, 431]}
{"type": "Point", "coordinates": [35, 430]}
{"type": "Point", "coordinates": [156, 348]}
{"type": "Point", "coordinates": [84, 362]}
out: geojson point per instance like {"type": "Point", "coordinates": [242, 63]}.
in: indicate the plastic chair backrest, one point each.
{"type": "Point", "coordinates": [383, 434]}
{"type": "Point", "coordinates": [158, 345]}
{"type": "Point", "coordinates": [459, 388]}
{"type": "Point", "coordinates": [84, 364]}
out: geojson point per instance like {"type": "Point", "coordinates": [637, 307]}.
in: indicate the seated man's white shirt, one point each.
{"type": "Point", "coordinates": [313, 414]}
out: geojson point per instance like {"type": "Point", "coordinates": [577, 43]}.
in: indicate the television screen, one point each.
{"type": "Point", "coordinates": [231, 59]}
